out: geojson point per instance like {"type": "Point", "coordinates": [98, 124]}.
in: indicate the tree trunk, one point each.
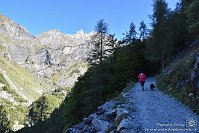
{"type": "Point", "coordinates": [162, 56]}
{"type": "Point", "coordinates": [101, 54]}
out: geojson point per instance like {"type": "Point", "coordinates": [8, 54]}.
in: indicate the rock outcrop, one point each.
{"type": "Point", "coordinates": [33, 65]}
{"type": "Point", "coordinates": [113, 116]}
{"type": "Point", "coordinates": [59, 54]}
{"type": "Point", "coordinates": [54, 57]}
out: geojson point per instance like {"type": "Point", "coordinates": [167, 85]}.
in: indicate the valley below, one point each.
{"type": "Point", "coordinates": [34, 66]}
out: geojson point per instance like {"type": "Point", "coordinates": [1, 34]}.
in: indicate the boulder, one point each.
{"type": "Point", "coordinates": [89, 129]}
{"type": "Point", "coordinates": [100, 111]}
{"type": "Point", "coordinates": [87, 121]}
{"type": "Point", "coordinates": [108, 106]}
{"type": "Point", "coordinates": [92, 116]}
{"type": "Point", "coordinates": [110, 115]}
{"type": "Point", "coordinates": [126, 95]}
{"type": "Point", "coordinates": [121, 111]}
{"type": "Point", "coordinates": [100, 125]}
{"type": "Point", "coordinates": [125, 124]}
{"type": "Point", "coordinates": [70, 130]}
{"type": "Point", "coordinates": [128, 131]}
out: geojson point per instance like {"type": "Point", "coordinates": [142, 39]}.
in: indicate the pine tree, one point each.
{"type": "Point", "coordinates": [143, 31]}
{"type": "Point", "coordinates": [193, 18]}
{"type": "Point", "coordinates": [99, 41]}
{"type": "Point", "coordinates": [98, 53]}
{"type": "Point", "coordinates": [157, 44]}
{"type": "Point", "coordinates": [178, 33]}
{"type": "Point", "coordinates": [185, 4]}
{"type": "Point", "coordinates": [39, 111]}
{"type": "Point", "coordinates": [130, 36]}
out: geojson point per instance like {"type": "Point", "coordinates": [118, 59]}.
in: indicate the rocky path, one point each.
{"type": "Point", "coordinates": [157, 112]}
{"type": "Point", "coordinates": [137, 111]}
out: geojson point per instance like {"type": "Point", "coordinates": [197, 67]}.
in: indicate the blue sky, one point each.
{"type": "Point", "coordinates": [69, 16]}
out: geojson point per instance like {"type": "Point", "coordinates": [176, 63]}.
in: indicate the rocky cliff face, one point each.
{"type": "Point", "coordinates": [53, 57]}
{"type": "Point", "coordinates": [14, 30]}
{"type": "Point", "coordinates": [59, 53]}
{"type": "Point", "coordinates": [31, 66]}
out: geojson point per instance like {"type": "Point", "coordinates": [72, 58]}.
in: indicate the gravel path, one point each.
{"type": "Point", "coordinates": [157, 112]}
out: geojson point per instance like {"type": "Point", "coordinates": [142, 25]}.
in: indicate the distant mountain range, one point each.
{"type": "Point", "coordinates": [33, 65]}
{"type": "Point", "coordinates": [53, 57]}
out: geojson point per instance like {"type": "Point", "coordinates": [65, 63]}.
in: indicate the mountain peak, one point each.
{"type": "Point", "coordinates": [13, 30]}
{"type": "Point", "coordinates": [53, 32]}
{"type": "Point", "coordinates": [55, 38]}
{"type": "Point", "coordinates": [81, 31]}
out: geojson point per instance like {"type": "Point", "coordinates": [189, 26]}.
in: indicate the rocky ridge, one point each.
{"type": "Point", "coordinates": [60, 53]}
{"type": "Point", "coordinates": [48, 56]}
{"type": "Point", "coordinates": [33, 65]}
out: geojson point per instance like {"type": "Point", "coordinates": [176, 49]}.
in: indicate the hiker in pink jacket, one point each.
{"type": "Point", "coordinates": [142, 79]}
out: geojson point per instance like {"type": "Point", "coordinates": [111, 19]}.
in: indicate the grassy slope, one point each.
{"type": "Point", "coordinates": [175, 79]}
{"type": "Point", "coordinates": [15, 112]}
{"type": "Point", "coordinates": [23, 79]}
{"type": "Point", "coordinates": [19, 76]}
{"type": "Point", "coordinates": [53, 102]}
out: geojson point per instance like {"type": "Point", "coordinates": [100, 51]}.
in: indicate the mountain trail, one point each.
{"type": "Point", "coordinates": [137, 111]}
{"type": "Point", "coordinates": [157, 112]}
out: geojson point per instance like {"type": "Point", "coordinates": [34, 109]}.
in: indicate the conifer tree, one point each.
{"type": "Point", "coordinates": [130, 36]}
{"type": "Point", "coordinates": [98, 53]}
{"type": "Point", "coordinates": [157, 44]}
{"type": "Point", "coordinates": [39, 111]}
{"type": "Point", "coordinates": [143, 31]}
{"type": "Point", "coordinates": [193, 18]}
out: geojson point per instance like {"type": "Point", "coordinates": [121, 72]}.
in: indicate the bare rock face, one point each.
{"type": "Point", "coordinates": [15, 31]}
{"type": "Point", "coordinates": [54, 57]}
{"type": "Point", "coordinates": [53, 37]}
{"type": "Point", "coordinates": [62, 58]}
